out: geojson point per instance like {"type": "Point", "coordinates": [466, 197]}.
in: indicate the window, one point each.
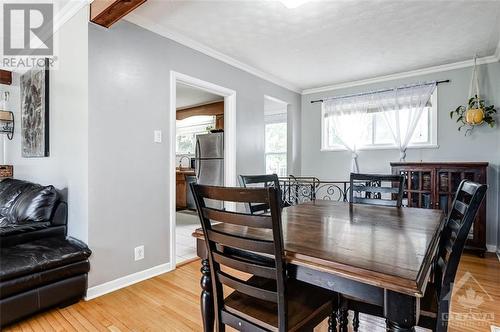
{"type": "Point", "coordinates": [276, 144]}
{"type": "Point", "coordinates": [188, 128]}
{"type": "Point", "coordinates": [378, 134]}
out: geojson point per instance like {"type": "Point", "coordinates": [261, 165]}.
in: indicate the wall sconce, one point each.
{"type": "Point", "coordinates": [6, 117]}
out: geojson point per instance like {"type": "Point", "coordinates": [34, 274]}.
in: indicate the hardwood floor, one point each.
{"type": "Point", "coordinates": [170, 302]}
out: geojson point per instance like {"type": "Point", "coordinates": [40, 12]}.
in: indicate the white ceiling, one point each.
{"type": "Point", "coordinates": [188, 96]}
{"type": "Point", "coordinates": [330, 42]}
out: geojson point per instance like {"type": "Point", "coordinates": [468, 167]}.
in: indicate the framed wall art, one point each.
{"type": "Point", "coordinates": [35, 112]}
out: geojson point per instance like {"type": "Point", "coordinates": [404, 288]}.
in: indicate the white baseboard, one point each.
{"type": "Point", "coordinates": [491, 248]}
{"type": "Point", "coordinates": [125, 281]}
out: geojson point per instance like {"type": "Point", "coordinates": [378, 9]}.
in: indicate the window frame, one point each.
{"type": "Point", "coordinates": [430, 144]}
{"type": "Point", "coordinates": [179, 130]}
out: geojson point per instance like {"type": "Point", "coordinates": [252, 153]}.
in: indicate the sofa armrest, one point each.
{"type": "Point", "coordinates": [60, 215]}
{"type": "Point", "coordinates": [14, 239]}
{"type": "Point", "coordinates": [57, 228]}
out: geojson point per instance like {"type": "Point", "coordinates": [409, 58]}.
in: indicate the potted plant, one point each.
{"type": "Point", "coordinates": [474, 114]}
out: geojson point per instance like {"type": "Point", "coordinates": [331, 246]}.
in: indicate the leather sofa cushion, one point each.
{"type": "Point", "coordinates": [24, 201]}
{"type": "Point", "coordinates": [18, 285]}
{"type": "Point", "coordinates": [40, 255]}
{"type": "Point", "coordinates": [10, 190]}
{"type": "Point", "coordinates": [9, 229]}
{"type": "Point", "coordinates": [34, 204]}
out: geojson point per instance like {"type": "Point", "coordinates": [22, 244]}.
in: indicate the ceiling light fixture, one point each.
{"type": "Point", "coordinates": [293, 3]}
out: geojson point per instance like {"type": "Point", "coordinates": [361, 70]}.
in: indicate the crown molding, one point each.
{"type": "Point", "coordinates": [188, 42]}
{"type": "Point", "coordinates": [411, 73]}
{"type": "Point", "coordinates": [200, 47]}
{"type": "Point", "coordinates": [68, 11]}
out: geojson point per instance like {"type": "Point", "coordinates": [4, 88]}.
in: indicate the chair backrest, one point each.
{"type": "Point", "coordinates": [265, 181]}
{"type": "Point", "coordinates": [459, 221]}
{"type": "Point", "coordinates": [246, 243]}
{"type": "Point", "coordinates": [369, 189]}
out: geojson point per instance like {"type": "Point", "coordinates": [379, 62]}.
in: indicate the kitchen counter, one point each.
{"type": "Point", "coordinates": [181, 187]}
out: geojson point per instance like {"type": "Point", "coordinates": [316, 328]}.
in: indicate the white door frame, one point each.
{"type": "Point", "coordinates": [229, 139]}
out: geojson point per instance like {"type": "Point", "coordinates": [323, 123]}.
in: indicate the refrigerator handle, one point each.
{"type": "Point", "coordinates": [198, 161]}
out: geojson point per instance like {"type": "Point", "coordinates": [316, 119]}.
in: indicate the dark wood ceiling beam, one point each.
{"type": "Point", "coordinates": [107, 12]}
{"type": "Point", "coordinates": [216, 108]}
{"type": "Point", "coordinates": [5, 77]}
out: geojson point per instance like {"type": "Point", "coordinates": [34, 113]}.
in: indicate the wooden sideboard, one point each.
{"type": "Point", "coordinates": [181, 187]}
{"type": "Point", "coordinates": [433, 185]}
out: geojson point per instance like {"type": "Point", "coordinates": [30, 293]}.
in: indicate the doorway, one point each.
{"type": "Point", "coordinates": [200, 112]}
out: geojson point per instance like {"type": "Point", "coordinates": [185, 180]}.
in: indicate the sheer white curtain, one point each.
{"type": "Point", "coordinates": [347, 119]}
{"type": "Point", "coordinates": [402, 109]}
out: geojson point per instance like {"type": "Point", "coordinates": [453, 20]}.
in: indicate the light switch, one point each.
{"type": "Point", "coordinates": [157, 135]}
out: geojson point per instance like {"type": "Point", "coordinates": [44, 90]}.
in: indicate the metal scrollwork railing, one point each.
{"type": "Point", "coordinates": [299, 189]}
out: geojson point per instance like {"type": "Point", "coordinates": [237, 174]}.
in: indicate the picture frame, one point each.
{"type": "Point", "coordinates": [35, 122]}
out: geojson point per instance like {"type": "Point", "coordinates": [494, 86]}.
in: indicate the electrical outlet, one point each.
{"type": "Point", "coordinates": [139, 253]}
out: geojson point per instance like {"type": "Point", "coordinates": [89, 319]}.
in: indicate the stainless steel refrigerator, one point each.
{"type": "Point", "coordinates": [209, 156]}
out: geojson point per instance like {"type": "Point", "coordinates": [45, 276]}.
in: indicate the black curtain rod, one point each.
{"type": "Point", "coordinates": [378, 91]}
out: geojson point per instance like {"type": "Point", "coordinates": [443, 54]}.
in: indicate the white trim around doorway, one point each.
{"type": "Point", "coordinates": [229, 140]}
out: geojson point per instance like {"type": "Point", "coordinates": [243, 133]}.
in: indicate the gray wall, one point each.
{"type": "Point", "coordinates": [483, 145]}
{"type": "Point", "coordinates": [129, 88]}
{"type": "Point", "coordinates": [66, 168]}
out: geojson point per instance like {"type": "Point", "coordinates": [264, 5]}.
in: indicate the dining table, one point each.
{"type": "Point", "coordinates": [379, 255]}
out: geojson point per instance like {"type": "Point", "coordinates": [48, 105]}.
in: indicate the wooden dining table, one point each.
{"type": "Point", "coordinates": [378, 255]}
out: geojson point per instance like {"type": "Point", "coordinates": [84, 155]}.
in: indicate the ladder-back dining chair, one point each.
{"type": "Point", "coordinates": [265, 181]}
{"type": "Point", "coordinates": [370, 189]}
{"type": "Point", "coordinates": [251, 246]}
{"type": "Point", "coordinates": [435, 305]}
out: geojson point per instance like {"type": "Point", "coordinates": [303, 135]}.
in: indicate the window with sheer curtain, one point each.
{"type": "Point", "coordinates": [377, 134]}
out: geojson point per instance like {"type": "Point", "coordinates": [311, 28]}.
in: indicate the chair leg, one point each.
{"type": "Point", "coordinates": [221, 327]}
{"type": "Point", "coordinates": [343, 320]}
{"type": "Point", "coordinates": [332, 322]}
{"type": "Point", "coordinates": [355, 321]}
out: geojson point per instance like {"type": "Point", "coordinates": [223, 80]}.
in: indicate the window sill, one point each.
{"type": "Point", "coordinates": [382, 147]}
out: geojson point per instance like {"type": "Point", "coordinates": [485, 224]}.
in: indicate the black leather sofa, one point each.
{"type": "Point", "coordinates": [39, 266]}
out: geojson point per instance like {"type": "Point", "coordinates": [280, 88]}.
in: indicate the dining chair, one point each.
{"type": "Point", "coordinates": [245, 254]}
{"type": "Point", "coordinates": [435, 304]}
{"type": "Point", "coordinates": [370, 189]}
{"type": "Point", "coordinates": [264, 180]}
